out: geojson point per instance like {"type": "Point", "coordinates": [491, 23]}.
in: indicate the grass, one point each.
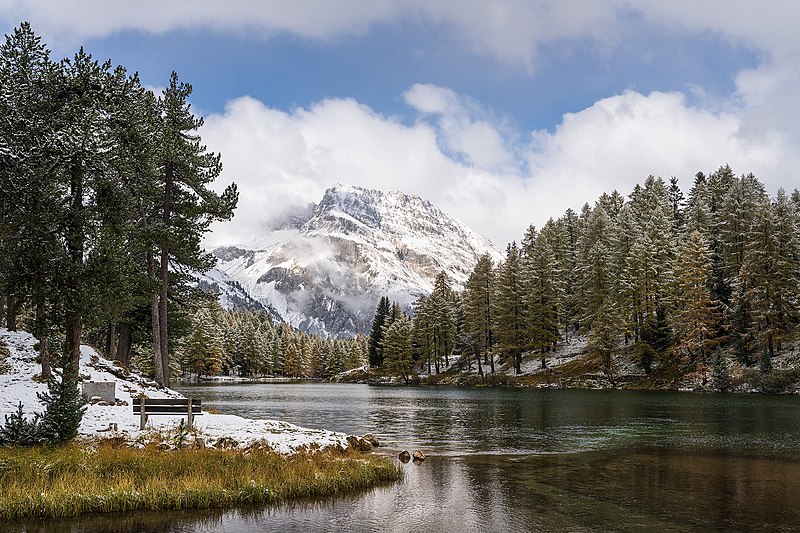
{"type": "Point", "coordinates": [66, 481]}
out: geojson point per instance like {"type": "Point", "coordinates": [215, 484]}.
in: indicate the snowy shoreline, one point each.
{"type": "Point", "coordinates": [215, 430]}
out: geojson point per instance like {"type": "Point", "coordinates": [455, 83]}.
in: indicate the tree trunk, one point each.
{"type": "Point", "coordinates": [124, 348]}
{"type": "Point", "coordinates": [41, 332]}
{"type": "Point", "coordinates": [11, 313]}
{"type": "Point", "coordinates": [44, 353]}
{"type": "Point", "coordinates": [164, 275]}
{"type": "Point", "coordinates": [2, 306]}
{"type": "Point", "coordinates": [111, 342]}
{"type": "Point", "coordinates": [478, 358]}
{"type": "Point", "coordinates": [74, 293]}
{"type": "Point", "coordinates": [158, 368]}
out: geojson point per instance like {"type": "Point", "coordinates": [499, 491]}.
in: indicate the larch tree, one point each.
{"type": "Point", "coordinates": [695, 314]}
{"type": "Point", "coordinates": [478, 306]}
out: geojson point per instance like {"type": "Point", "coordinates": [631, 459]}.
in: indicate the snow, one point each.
{"type": "Point", "coordinates": [19, 386]}
{"type": "Point", "coordinates": [356, 246]}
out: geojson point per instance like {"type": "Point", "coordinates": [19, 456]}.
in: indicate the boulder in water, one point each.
{"type": "Point", "coordinates": [405, 456]}
{"type": "Point", "coordinates": [418, 456]}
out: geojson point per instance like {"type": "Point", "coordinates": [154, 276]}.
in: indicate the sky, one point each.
{"type": "Point", "coordinates": [504, 113]}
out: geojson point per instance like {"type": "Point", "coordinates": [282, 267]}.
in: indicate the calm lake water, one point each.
{"type": "Point", "coordinates": [526, 460]}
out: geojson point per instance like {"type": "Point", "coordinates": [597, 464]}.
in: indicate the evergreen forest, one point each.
{"type": "Point", "coordinates": [106, 192]}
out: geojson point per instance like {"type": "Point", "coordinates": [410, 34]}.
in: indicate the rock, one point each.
{"type": "Point", "coordinates": [95, 399]}
{"type": "Point", "coordinates": [358, 443]}
{"type": "Point", "coordinates": [405, 456]}
{"type": "Point", "coordinates": [418, 456]}
{"type": "Point", "coordinates": [101, 403]}
{"type": "Point", "coordinates": [371, 439]}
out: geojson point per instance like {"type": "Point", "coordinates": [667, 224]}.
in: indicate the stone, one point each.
{"type": "Point", "coordinates": [95, 399]}
{"type": "Point", "coordinates": [418, 456]}
{"type": "Point", "coordinates": [369, 437]}
{"type": "Point", "coordinates": [405, 456]}
{"type": "Point", "coordinates": [105, 390]}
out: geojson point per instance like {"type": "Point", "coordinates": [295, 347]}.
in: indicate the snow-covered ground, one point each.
{"type": "Point", "coordinates": [214, 429]}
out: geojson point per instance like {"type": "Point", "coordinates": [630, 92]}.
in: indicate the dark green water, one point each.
{"type": "Point", "coordinates": [528, 460]}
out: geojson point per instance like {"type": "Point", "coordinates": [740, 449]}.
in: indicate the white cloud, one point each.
{"type": "Point", "coordinates": [288, 158]}
{"type": "Point", "coordinates": [512, 30]}
{"type": "Point", "coordinates": [458, 154]}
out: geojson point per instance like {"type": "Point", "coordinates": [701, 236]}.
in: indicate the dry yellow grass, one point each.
{"type": "Point", "coordinates": [75, 479]}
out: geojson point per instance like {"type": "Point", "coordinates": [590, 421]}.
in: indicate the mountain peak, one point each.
{"type": "Point", "coordinates": [357, 245]}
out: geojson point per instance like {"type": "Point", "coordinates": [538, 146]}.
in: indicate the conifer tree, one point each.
{"type": "Point", "coordinates": [542, 292]}
{"type": "Point", "coordinates": [441, 306]}
{"type": "Point", "coordinates": [769, 272]}
{"type": "Point", "coordinates": [398, 348]}
{"type": "Point", "coordinates": [478, 306]}
{"type": "Point", "coordinates": [696, 314]}
{"type": "Point", "coordinates": [376, 333]}
{"type": "Point", "coordinates": [188, 205]}
{"type": "Point", "coordinates": [63, 408]}
{"type": "Point", "coordinates": [510, 314]}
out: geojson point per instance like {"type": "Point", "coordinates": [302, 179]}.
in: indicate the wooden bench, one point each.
{"type": "Point", "coordinates": [166, 406]}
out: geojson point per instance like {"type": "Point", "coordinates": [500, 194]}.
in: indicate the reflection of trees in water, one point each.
{"type": "Point", "coordinates": [136, 522]}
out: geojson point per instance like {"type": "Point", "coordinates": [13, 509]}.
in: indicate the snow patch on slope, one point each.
{"type": "Point", "coordinates": [18, 386]}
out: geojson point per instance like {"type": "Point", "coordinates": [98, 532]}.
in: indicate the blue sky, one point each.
{"type": "Point", "coordinates": [375, 68]}
{"type": "Point", "coordinates": [516, 107]}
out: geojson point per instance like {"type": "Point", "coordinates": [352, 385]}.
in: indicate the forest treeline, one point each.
{"type": "Point", "coordinates": [677, 279]}
{"type": "Point", "coordinates": [249, 344]}
{"type": "Point", "coordinates": [104, 196]}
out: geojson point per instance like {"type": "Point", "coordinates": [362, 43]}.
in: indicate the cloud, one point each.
{"type": "Point", "coordinates": [511, 30]}
{"type": "Point", "coordinates": [282, 159]}
{"type": "Point", "coordinates": [457, 153]}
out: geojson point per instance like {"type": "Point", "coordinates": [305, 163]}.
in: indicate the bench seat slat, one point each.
{"type": "Point", "coordinates": [166, 401]}
{"type": "Point", "coordinates": [167, 410]}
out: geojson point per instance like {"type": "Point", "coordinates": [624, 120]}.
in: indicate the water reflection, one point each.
{"type": "Point", "coordinates": [521, 460]}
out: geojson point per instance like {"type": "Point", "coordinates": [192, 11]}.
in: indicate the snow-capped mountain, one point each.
{"type": "Point", "coordinates": [325, 271]}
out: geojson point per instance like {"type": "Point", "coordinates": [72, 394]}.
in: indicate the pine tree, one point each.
{"type": "Point", "coordinates": [205, 348]}
{"type": "Point", "coordinates": [769, 273]}
{"type": "Point", "coordinates": [541, 279]}
{"type": "Point", "coordinates": [376, 333]}
{"type": "Point", "coordinates": [188, 205]}
{"type": "Point", "coordinates": [741, 328]}
{"type": "Point", "coordinates": [398, 348]}
{"type": "Point", "coordinates": [64, 408]}
{"type": "Point", "coordinates": [19, 431]}
{"type": "Point", "coordinates": [510, 313]}
{"type": "Point", "coordinates": [441, 306]}
{"type": "Point", "coordinates": [422, 336]}
{"type": "Point", "coordinates": [600, 316]}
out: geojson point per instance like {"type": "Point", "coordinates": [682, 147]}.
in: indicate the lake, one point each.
{"type": "Point", "coordinates": [526, 460]}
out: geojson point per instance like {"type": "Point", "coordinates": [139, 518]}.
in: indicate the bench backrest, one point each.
{"type": "Point", "coordinates": [166, 406]}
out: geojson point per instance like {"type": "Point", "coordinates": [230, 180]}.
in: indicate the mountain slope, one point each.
{"type": "Point", "coordinates": [324, 272]}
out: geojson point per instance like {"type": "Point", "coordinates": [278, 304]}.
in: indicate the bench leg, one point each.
{"type": "Point", "coordinates": [142, 418]}
{"type": "Point", "coordinates": [191, 415]}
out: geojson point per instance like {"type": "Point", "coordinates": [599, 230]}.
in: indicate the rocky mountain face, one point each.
{"type": "Point", "coordinates": [325, 271]}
